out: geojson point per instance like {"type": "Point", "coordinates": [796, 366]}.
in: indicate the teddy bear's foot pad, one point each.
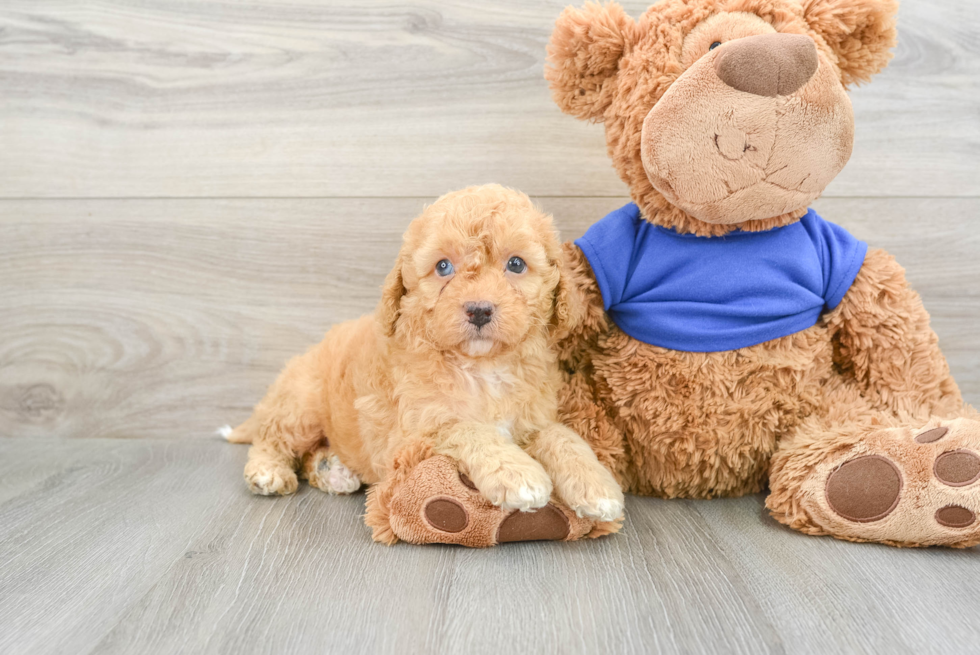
{"type": "Point", "coordinates": [438, 504]}
{"type": "Point", "coordinates": [865, 488]}
{"type": "Point", "coordinates": [917, 487]}
{"type": "Point", "coordinates": [546, 524]}
{"type": "Point", "coordinates": [446, 515]}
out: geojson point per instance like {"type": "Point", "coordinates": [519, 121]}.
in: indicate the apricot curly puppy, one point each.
{"type": "Point", "coordinates": [459, 353]}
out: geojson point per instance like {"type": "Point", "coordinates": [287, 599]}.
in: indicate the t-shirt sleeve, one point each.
{"type": "Point", "coordinates": [608, 245]}
{"type": "Point", "coordinates": [841, 256]}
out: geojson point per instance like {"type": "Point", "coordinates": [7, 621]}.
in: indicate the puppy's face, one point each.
{"type": "Point", "coordinates": [479, 270]}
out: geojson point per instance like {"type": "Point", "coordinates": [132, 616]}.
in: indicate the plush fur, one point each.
{"type": "Point", "coordinates": [743, 136]}
{"type": "Point", "coordinates": [671, 40]}
{"type": "Point", "coordinates": [422, 371]}
{"type": "Point", "coordinates": [702, 155]}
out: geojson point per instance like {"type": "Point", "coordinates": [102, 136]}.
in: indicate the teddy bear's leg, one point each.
{"type": "Point", "coordinates": [885, 347]}
{"type": "Point", "coordinates": [425, 499]}
{"type": "Point", "coordinates": [863, 475]}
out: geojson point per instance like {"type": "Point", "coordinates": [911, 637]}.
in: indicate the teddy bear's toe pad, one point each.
{"type": "Point", "coordinates": [865, 489]}
{"type": "Point", "coordinates": [957, 468]}
{"type": "Point", "coordinates": [932, 436]}
{"type": "Point", "coordinates": [954, 516]}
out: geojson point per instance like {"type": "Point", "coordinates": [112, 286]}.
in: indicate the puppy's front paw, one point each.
{"type": "Point", "coordinates": [267, 479]}
{"type": "Point", "coordinates": [600, 509]}
{"type": "Point", "coordinates": [592, 493]}
{"type": "Point", "coordinates": [515, 486]}
{"type": "Point", "coordinates": [328, 473]}
{"type": "Point", "coordinates": [529, 495]}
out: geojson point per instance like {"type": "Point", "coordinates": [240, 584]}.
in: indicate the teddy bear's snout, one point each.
{"type": "Point", "coordinates": [767, 64]}
{"type": "Point", "coordinates": [754, 130]}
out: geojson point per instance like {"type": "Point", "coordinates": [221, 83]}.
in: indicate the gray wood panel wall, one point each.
{"type": "Point", "coordinates": [192, 192]}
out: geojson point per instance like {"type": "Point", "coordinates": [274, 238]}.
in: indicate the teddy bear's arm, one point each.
{"type": "Point", "coordinates": [580, 397]}
{"type": "Point", "coordinates": [883, 341]}
{"type": "Point", "coordinates": [590, 316]}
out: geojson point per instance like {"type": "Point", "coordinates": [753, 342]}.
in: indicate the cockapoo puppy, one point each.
{"type": "Point", "coordinates": [458, 352]}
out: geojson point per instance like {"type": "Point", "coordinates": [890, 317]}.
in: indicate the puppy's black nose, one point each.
{"type": "Point", "coordinates": [479, 313]}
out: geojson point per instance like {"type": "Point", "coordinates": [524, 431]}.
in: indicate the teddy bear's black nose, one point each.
{"type": "Point", "coordinates": [767, 64]}
{"type": "Point", "coordinates": [479, 313]}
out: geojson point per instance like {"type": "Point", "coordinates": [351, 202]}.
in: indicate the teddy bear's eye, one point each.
{"type": "Point", "coordinates": [714, 45]}
{"type": "Point", "coordinates": [516, 265]}
{"type": "Point", "coordinates": [444, 268]}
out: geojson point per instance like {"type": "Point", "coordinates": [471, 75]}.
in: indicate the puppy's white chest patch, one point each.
{"type": "Point", "coordinates": [488, 388]}
{"type": "Point", "coordinates": [506, 429]}
{"type": "Point", "coordinates": [494, 381]}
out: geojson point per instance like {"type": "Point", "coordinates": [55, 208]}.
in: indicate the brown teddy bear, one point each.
{"type": "Point", "coordinates": [733, 338]}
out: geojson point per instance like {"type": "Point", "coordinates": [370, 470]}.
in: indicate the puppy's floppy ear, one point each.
{"type": "Point", "coordinates": [860, 32]}
{"type": "Point", "coordinates": [568, 310]}
{"type": "Point", "coordinates": [391, 299]}
{"type": "Point", "coordinates": [583, 57]}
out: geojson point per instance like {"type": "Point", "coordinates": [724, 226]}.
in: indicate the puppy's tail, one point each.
{"type": "Point", "coordinates": [244, 433]}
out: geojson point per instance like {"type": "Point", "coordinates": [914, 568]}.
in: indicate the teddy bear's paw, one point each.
{"type": "Point", "coordinates": [908, 487]}
{"type": "Point", "coordinates": [327, 473]}
{"type": "Point", "coordinates": [438, 504]}
{"type": "Point", "coordinates": [270, 478]}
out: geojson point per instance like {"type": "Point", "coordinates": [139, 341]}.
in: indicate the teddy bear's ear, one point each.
{"type": "Point", "coordinates": [860, 32]}
{"type": "Point", "coordinates": [583, 57]}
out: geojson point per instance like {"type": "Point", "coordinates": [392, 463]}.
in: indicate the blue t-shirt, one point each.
{"type": "Point", "coordinates": [707, 294]}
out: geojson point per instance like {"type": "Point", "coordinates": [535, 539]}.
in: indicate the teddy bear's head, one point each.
{"type": "Point", "coordinates": [722, 114]}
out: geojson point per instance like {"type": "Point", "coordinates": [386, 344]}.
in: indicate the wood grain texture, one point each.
{"type": "Point", "coordinates": [287, 98]}
{"type": "Point", "coordinates": [192, 192]}
{"type": "Point", "coordinates": [155, 546]}
{"type": "Point", "coordinates": [167, 318]}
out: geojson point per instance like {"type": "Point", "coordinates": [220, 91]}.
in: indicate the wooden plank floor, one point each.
{"type": "Point", "coordinates": [155, 546]}
{"type": "Point", "coordinates": [192, 192]}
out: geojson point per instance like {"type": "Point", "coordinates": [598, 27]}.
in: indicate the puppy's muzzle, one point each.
{"type": "Point", "coordinates": [479, 313]}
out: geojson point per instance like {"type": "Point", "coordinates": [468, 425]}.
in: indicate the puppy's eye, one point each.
{"type": "Point", "coordinates": [516, 265]}
{"type": "Point", "coordinates": [444, 268]}
{"type": "Point", "coordinates": [714, 45]}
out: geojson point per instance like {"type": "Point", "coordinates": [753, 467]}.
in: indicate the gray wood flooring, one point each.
{"type": "Point", "coordinates": [192, 192]}
{"type": "Point", "coordinates": [155, 546]}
